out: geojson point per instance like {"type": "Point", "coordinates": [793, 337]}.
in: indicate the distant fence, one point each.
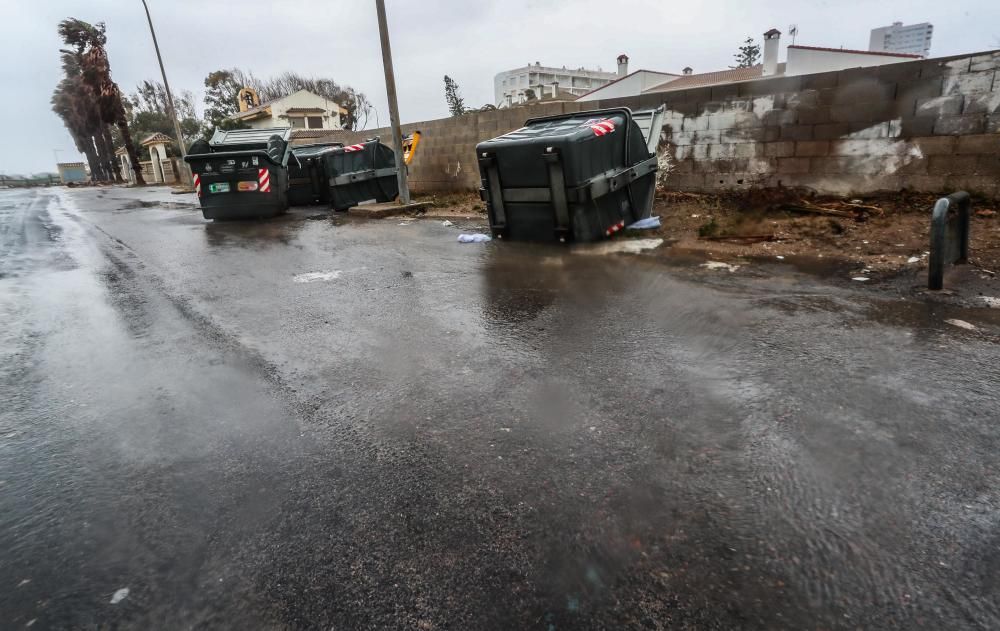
{"type": "Point", "coordinates": [45, 180]}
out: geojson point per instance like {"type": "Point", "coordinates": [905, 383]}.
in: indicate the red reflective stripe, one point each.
{"type": "Point", "coordinates": [264, 179]}
{"type": "Point", "coordinates": [602, 127]}
{"type": "Point", "coordinates": [615, 228]}
{"type": "Point", "coordinates": [197, 184]}
{"type": "Point", "coordinates": [357, 147]}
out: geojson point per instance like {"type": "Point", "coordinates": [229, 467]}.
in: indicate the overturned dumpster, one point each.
{"type": "Point", "coordinates": [306, 176]}
{"type": "Point", "coordinates": [573, 177]}
{"type": "Point", "coordinates": [241, 173]}
{"type": "Point", "coordinates": [361, 172]}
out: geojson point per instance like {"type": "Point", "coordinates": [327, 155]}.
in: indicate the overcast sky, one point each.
{"type": "Point", "coordinates": [470, 40]}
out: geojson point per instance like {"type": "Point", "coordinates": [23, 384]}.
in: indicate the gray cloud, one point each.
{"type": "Point", "coordinates": [468, 40]}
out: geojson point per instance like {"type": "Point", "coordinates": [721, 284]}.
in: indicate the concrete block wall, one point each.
{"type": "Point", "coordinates": [926, 125]}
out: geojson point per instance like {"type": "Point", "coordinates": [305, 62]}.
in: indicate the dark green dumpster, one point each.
{"type": "Point", "coordinates": [361, 172]}
{"type": "Point", "coordinates": [306, 178]}
{"type": "Point", "coordinates": [573, 177]}
{"type": "Point", "coordinates": [241, 173]}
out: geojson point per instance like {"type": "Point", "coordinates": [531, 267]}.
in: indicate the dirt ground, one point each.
{"type": "Point", "coordinates": [879, 234]}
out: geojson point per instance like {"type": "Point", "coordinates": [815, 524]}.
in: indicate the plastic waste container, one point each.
{"type": "Point", "coordinates": [306, 181]}
{"type": "Point", "coordinates": [361, 172]}
{"type": "Point", "coordinates": [573, 177]}
{"type": "Point", "coordinates": [241, 173]}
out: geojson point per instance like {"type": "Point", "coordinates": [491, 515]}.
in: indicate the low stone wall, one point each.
{"type": "Point", "coordinates": [927, 125]}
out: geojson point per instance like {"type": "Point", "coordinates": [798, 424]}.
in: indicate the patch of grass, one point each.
{"type": "Point", "coordinates": [709, 229]}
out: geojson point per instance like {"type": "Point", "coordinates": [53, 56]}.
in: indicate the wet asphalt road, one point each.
{"type": "Point", "coordinates": [431, 435]}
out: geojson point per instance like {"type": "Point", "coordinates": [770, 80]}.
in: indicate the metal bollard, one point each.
{"type": "Point", "coordinates": [949, 236]}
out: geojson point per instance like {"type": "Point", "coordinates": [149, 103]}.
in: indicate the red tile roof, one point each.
{"type": "Point", "coordinates": [712, 78]}
{"type": "Point", "coordinates": [857, 52]}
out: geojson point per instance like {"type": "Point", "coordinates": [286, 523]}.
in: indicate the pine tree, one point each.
{"type": "Point", "coordinates": [456, 105]}
{"type": "Point", "coordinates": [748, 56]}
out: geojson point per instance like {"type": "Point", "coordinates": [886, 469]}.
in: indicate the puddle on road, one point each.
{"type": "Point", "coordinates": [312, 277]}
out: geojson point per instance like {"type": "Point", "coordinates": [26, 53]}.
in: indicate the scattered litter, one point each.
{"type": "Point", "coordinates": [31, 623]}
{"type": "Point", "coordinates": [992, 302]}
{"type": "Point", "coordinates": [913, 259]}
{"type": "Point", "coordinates": [447, 223]}
{"type": "Point", "coordinates": [119, 595]}
{"type": "Point", "coordinates": [962, 324]}
{"type": "Point", "coordinates": [405, 223]}
{"type": "Point", "coordinates": [505, 429]}
{"type": "Point", "coordinates": [645, 224]}
{"type": "Point", "coordinates": [24, 582]}
{"type": "Point", "coordinates": [695, 216]}
{"type": "Point", "coordinates": [780, 258]}
{"type": "Point", "coordinates": [861, 278]}
{"type": "Point", "coordinates": [626, 246]}
{"type": "Point", "coordinates": [312, 277]}
{"type": "Point", "coordinates": [720, 265]}
{"type": "Point", "coordinates": [473, 238]}
{"type": "Point", "coordinates": [985, 212]}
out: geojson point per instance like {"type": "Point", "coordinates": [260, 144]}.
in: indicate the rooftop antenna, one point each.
{"type": "Point", "coordinates": [793, 30]}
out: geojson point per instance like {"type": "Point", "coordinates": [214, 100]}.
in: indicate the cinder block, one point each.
{"type": "Point", "coordinates": [947, 165]}
{"type": "Point", "coordinates": [731, 119]}
{"type": "Point", "coordinates": [809, 148]}
{"type": "Point", "coordinates": [979, 185]}
{"type": "Point", "coordinates": [873, 147]}
{"type": "Point", "coordinates": [989, 165]}
{"type": "Point", "coordinates": [683, 166]}
{"type": "Point", "coordinates": [858, 86]}
{"type": "Point", "coordinates": [984, 103]}
{"type": "Point", "coordinates": [897, 73]}
{"type": "Point", "coordinates": [793, 165]}
{"type": "Point", "coordinates": [982, 143]}
{"type": "Point", "coordinates": [779, 118]}
{"type": "Point", "coordinates": [744, 150]}
{"type": "Point", "coordinates": [721, 151]}
{"type": "Point", "coordinates": [742, 134]}
{"type": "Point", "coordinates": [936, 145]}
{"type": "Point", "coordinates": [770, 86]}
{"type": "Point", "coordinates": [924, 184]}
{"type": "Point", "coordinates": [771, 134]}
{"type": "Point", "coordinates": [722, 92]}
{"type": "Point", "coordinates": [797, 132]}
{"type": "Point", "coordinates": [909, 92]}
{"type": "Point", "coordinates": [983, 63]}
{"type": "Point", "coordinates": [819, 80]}
{"type": "Point", "coordinates": [783, 149]}
{"type": "Point", "coordinates": [758, 166]}
{"type": "Point", "coordinates": [830, 131]}
{"type": "Point", "coordinates": [830, 165]}
{"type": "Point", "coordinates": [914, 127]}
{"type": "Point", "coordinates": [709, 136]}
{"type": "Point", "coordinates": [814, 116]}
{"type": "Point", "coordinates": [861, 112]}
{"type": "Point", "coordinates": [868, 130]}
{"type": "Point", "coordinates": [806, 99]}
{"type": "Point", "coordinates": [695, 124]}
{"type": "Point", "coordinates": [940, 105]}
{"type": "Point", "coordinates": [686, 181]}
{"type": "Point", "coordinates": [968, 83]}
{"type": "Point", "coordinates": [960, 125]}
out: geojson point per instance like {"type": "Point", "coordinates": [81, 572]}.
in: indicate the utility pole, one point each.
{"type": "Point", "coordinates": [170, 99]}
{"type": "Point", "coordinates": [390, 92]}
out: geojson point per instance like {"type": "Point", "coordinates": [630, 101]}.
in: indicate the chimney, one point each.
{"type": "Point", "coordinates": [688, 70]}
{"type": "Point", "coordinates": [622, 65]}
{"type": "Point", "coordinates": [771, 40]}
{"type": "Point", "coordinates": [555, 89]}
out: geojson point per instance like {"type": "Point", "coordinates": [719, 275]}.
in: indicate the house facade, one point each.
{"type": "Point", "coordinates": [299, 110]}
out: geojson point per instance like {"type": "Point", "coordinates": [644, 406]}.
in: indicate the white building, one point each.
{"type": "Point", "coordinates": [299, 110]}
{"type": "Point", "coordinates": [800, 60]}
{"type": "Point", "coordinates": [913, 39]}
{"type": "Point", "coordinates": [511, 86]}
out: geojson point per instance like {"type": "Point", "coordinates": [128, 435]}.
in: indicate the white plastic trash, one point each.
{"type": "Point", "coordinates": [473, 238]}
{"type": "Point", "coordinates": [646, 224]}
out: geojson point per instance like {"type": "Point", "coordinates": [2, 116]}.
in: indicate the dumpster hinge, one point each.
{"type": "Point", "coordinates": [557, 186]}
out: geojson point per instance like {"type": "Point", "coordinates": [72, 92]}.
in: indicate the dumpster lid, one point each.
{"type": "Point", "coordinates": [651, 123]}
{"type": "Point", "coordinates": [223, 138]}
{"type": "Point", "coordinates": [309, 151]}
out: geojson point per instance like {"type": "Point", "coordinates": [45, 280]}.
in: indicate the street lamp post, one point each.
{"type": "Point", "coordinates": [170, 99]}
{"type": "Point", "coordinates": [390, 91]}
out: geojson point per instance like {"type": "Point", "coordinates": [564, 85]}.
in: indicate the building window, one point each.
{"type": "Point", "coordinates": [297, 122]}
{"type": "Point", "coordinates": [315, 122]}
